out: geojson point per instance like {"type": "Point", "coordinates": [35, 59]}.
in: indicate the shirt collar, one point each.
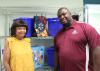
{"type": "Point", "coordinates": [72, 25]}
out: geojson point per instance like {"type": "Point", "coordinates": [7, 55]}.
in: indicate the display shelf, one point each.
{"type": "Point", "coordinates": [45, 68]}
{"type": "Point", "coordinates": [49, 37]}
{"type": "Point", "coordinates": [42, 41]}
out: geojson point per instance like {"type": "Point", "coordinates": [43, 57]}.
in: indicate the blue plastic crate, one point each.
{"type": "Point", "coordinates": [54, 26]}
{"type": "Point", "coordinates": [50, 56]}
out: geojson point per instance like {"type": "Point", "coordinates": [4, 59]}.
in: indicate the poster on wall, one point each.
{"type": "Point", "coordinates": [92, 16]}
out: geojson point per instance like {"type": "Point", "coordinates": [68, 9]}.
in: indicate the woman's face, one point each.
{"type": "Point", "coordinates": [20, 32]}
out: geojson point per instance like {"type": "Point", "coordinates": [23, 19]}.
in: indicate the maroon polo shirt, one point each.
{"type": "Point", "coordinates": [71, 44]}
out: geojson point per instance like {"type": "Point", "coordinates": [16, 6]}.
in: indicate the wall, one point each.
{"type": "Point", "coordinates": [42, 3]}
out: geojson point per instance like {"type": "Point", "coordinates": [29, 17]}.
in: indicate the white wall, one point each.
{"type": "Point", "coordinates": [75, 6]}
{"type": "Point", "coordinates": [2, 23]}
{"type": "Point", "coordinates": [44, 3]}
{"type": "Point", "coordinates": [93, 16]}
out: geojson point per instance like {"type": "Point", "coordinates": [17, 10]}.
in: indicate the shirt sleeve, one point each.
{"type": "Point", "coordinates": [93, 38]}
{"type": "Point", "coordinates": [10, 41]}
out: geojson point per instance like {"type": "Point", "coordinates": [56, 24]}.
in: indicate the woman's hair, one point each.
{"type": "Point", "coordinates": [18, 23]}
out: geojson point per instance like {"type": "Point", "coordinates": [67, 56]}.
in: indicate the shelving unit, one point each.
{"type": "Point", "coordinates": [47, 42]}
{"type": "Point", "coordinates": [44, 41]}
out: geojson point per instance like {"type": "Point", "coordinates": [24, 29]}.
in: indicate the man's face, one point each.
{"type": "Point", "coordinates": [64, 16]}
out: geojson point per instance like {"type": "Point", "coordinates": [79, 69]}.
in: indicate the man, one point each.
{"type": "Point", "coordinates": [70, 44]}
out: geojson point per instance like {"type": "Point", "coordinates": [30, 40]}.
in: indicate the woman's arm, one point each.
{"type": "Point", "coordinates": [6, 57]}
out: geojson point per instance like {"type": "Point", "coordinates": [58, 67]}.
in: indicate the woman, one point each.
{"type": "Point", "coordinates": [17, 52]}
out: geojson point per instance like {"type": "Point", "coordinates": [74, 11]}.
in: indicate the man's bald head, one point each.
{"type": "Point", "coordinates": [63, 8]}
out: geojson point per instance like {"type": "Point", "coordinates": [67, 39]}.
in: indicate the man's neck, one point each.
{"type": "Point", "coordinates": [65, 26]}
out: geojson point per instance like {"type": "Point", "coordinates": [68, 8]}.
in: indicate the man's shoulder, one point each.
{"type": "Point", "coordinates": [81, 22]}
{"type": "Point", "coordinates": [86, 25]}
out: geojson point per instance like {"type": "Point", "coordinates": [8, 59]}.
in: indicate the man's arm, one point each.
{"type": "Point", "coordinates": [56, 61]}
{"type": "Point", "coordinates": [96, 58]}
{"type": "Point", "coordinates": [93, 39]}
